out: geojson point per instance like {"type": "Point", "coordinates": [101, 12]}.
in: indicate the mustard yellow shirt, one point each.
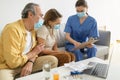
{"type": "Point", "coordinates": [12, 44]}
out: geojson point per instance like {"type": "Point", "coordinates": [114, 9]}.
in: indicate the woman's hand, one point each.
{"type": "Point", "coordinates": [76, 44]}
{"type": "Point", "coordinates": [27, 69]}
{"type": "Point", "coordinates": [52, 52]}
{"type": "Point", "coordinates": [90, 45]}
{"type": "Point", "coordinates": [38, 49]}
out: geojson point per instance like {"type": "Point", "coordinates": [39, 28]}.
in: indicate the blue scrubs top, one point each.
{"type": "Point", "coordinates": [81, 32]}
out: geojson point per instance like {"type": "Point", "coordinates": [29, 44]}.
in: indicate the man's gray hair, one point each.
{"type": "Point", "coordinates": [27, 8]}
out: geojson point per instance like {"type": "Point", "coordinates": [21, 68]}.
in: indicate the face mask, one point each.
{"type": "Point", "coordinates": [81, 14]}
{"type": "Point", "coordinates": [39, 23]}
{"type": "Point", "coordinates": [57, 26]}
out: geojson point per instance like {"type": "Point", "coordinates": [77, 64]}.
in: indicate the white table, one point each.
{"type": "Point", "coordinates": [64, 71]}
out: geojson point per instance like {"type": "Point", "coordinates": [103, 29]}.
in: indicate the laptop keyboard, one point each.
{"type": "Point", "coordinates": [98, 69]}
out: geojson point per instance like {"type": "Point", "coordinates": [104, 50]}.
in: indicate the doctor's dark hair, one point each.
{"type": "Point", "coordinates": [30, 7]}
{"type": "Point", "coordinates": [81, 3]}
{"type": "Point", "coordinates": [51, 15]}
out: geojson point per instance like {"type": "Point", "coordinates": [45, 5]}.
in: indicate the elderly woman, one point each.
{"type": "Point", "coordinates": [46, 34]}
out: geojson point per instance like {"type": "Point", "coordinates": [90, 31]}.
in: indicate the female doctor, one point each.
{"type": "Point", "coordinates": [79, 28]}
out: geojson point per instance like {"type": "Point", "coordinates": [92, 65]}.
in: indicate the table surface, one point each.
{"type": "Point", "coordinates": [113, 73]}
{"type": "Point", "coordinates": [63, 71]}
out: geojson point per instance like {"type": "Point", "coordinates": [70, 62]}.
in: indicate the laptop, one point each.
{"type": "Point", "coordinates": [97, 69]}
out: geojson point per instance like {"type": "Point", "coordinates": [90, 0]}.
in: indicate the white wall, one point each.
{"type": "Point", "coordinates": [106, 12]}
{"type": "Point", "coordinates": [10, 10]}
{"type": "Point", "coordinates": [65, 7]}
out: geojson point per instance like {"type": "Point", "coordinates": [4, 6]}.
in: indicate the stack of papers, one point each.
{"type": "Point", "coordinates": [76, 66]}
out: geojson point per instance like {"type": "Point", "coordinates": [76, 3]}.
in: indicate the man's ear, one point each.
{"type": "Point", "coordinates": [30, 14]}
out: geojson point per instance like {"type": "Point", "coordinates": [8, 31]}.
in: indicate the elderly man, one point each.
{"type": "Point", "coordinates": [18, 49]}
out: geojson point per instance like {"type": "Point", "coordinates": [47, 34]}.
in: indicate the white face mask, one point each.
{"type": "Point", "coordinates": [57, 26]}
{"type": "Point", "coordinates": [39, 23]}
{"type": "Point", "coordinates": [81, 14]}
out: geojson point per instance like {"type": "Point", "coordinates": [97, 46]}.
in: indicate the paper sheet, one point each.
{"type": "Point", "coordinates": [76, 66]}
{"type": "Point", "coordinates": [84, 44]}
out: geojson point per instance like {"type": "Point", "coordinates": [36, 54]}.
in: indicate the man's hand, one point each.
{"type": "Point", "coordinates": [27, 69]}
{"type": "Point", "coordinates": [35, 51]}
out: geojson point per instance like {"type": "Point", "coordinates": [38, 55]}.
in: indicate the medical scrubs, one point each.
{"type": "Point", "coordinates": [81, 33]}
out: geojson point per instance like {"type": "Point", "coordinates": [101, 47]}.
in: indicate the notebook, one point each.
{"type": "Point", "coordinates": [97, 69]}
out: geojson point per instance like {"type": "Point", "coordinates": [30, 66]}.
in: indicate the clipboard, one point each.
{"type": "Point", "coordinates": [84, 44]}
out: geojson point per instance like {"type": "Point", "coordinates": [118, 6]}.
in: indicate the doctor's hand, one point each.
{"type": "Point", "coordinates": [90, 45]}
{"type": "Point", "coordinates": [76, 44]}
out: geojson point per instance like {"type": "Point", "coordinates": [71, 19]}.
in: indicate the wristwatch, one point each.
{"type": "Point", "coordinates": [31, 61]}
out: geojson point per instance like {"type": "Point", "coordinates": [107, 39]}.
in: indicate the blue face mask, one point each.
{"type": "Point", "coordinates": [81, 14]}
{"type": "Point", "coordinates": [39, 23]}
{"type": "Point", "coordinates": [57, 26]}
